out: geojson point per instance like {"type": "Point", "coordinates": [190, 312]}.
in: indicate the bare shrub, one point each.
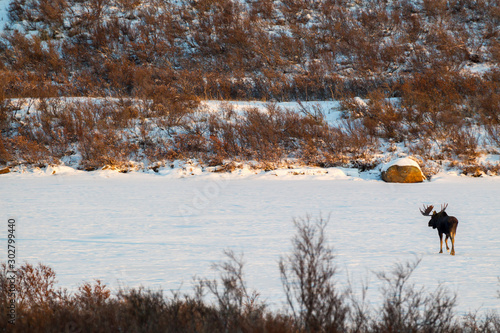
{"type": "Point", "coordinates": [29, 54]}
{"type": "Point", "coordinates": [16, 10]}
{"type": "Point", "coordinates": [128, 5]}
{"type": "Point", "coordinates": [97, 130]}
{"type": "Point", "coordinates": [488, 323]}
{"type": "Point", "coordinates": [275, 134]}
{"type": "Point", "coordinates": [380, 117]}
{"type": "Point", "coordinates": [316, 304]}
{"type": "Point", "coordinates": [168, 105]}
{"type": "Point", "coordinates": [493, 134]}
{"type": "Point", "coordinates": [5, 111]}
{"type": "Point", "coordinates": [262, 8]}
{"type": "Point", "coordinates": [5, 122]}
{"type": "Point", "coordinates": [307, 276]}
{"type": "Point", "coordinates": [141, 310]}
{"type": "Point", "coordinates": [261, 133]}
{"type": "Point", "coordinates": [434, 8]}
{"type": "Point", "coordinates": [36, 285]}
{"type": "Point", "coordinates": [223, 141]}
{"type": "Point", "coordinates": [192, 144]}
{"type": "Point", "coordinates": [357, 139]}
{"type": "Point", "coordinates": [51, 13]}
{"type": "Point", "coordinates": [487, 98]}
{"type": "Point", "coordinates": [37, 295]}
{"type": "Point", "coordinates": [495, 51]}
{"type": "Point", "coordinates": [464, 144]}
{"type": "Point", "coordinates": [100, 149]}
{"type": "Point", "coordinates": [473, 170]}
{"type": "Point", "coordinates": [4, 154]}
{"type": "Point", "coordinates": [30, 152]}
{"type": "Point", "coordinates": [171, 53]}
{"type": "Point", "coordinates": [431, 104]}
{"type": "Point", "coordinates": [408, 309]}
{"type": "Point", "coordinates": [238, 307]}
{"type": "Point", "coordinates": [92, 295]}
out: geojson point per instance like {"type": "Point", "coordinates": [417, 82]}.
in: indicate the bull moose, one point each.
{"type": "Point", "coordinates": [444, 224]}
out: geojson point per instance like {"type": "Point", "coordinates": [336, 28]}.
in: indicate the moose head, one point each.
{"type": "Point", "coordinates": [435, 217]}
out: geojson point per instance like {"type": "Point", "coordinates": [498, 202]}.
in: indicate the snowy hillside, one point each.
{"type": "Point", "coordinates": [227, 49]}
{"type": "Point", "coordinates": [125, 84]}
{"type": "Point", "coordinates": [125, 135]}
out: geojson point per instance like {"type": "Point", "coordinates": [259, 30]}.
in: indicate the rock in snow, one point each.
{"type": "Point", "coordinates": [402, 170]}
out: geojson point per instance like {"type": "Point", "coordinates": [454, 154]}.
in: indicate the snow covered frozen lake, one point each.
{"type": "Point", "coordinates": [160, 230]}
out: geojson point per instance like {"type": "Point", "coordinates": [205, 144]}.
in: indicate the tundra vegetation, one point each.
{"type": "Point", "coordinates": [427, 69]}
{"type": "Point", "coordinates": [315, 301]}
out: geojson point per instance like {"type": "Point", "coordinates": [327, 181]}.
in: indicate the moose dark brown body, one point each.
{"type": "Point", "coordinates": [445, 224]}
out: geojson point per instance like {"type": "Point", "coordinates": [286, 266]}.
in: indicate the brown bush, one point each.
{"type": "Point", "coordinates": [380, 117]}
{"type": "Point", "coordinates": [30, 152]}
{"type": "Point", "coordinates": [99, 149]}
{"type": "Point", "coordinates": [357, 139]}
{"type": "Point", "coordinates": [4, 154]}
{"type": "Point", "coordinates": [30, 53]}
{"type": "Point", "coordinates": [236, 304]}
{"type": "Point", "coordinates": [493, 131]}
{"type": "Point", "coordinates": [473, 170]}
{"type": "Point", "coordinates": [307, 276]}
{"type": "Point", "coordinates": [406, 308]}
{"type": "Point", "coordinates": [262, 8]}
{"type": "Point", "coordinates": [431, 104]}
{"type": "Point", "coordinates": [224, 141]}
{"type": "Point", "coordinates": [486, 98]}
{"type": "Point", "coordinates": [464, 144]}
{"type": "Point", "coordinates": [190, 144]}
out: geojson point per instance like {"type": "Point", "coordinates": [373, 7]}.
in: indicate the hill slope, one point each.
{"type": "Point", "coordinates": [411, 77]}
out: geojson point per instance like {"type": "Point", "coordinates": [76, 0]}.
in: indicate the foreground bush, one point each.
{"type": "Point", "coordinates": [226, 304]}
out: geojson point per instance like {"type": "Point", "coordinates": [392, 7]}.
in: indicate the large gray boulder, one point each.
{"type": "Point", "coordinates": [402, 170]}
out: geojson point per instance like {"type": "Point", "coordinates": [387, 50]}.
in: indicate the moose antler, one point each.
{"type": "Point", "coordinates": [427, 210]}
{"type": "Point", "coordinates": [443, 207]}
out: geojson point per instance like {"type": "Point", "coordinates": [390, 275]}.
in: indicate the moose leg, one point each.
{"type": "Point", "coordinates": [452, 244]}
{"type": "Point", "coordinates": [446, 242]}
{"type": "Point", "coordinates": [441, 242]}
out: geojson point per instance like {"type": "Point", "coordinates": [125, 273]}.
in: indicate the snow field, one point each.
{"type": "Point", "coordinates": [161, 230]}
